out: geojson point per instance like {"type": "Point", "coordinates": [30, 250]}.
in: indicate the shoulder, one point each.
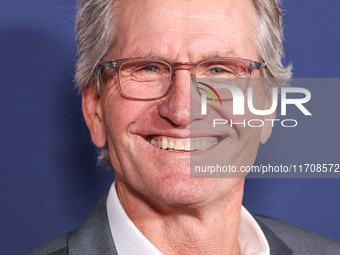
{"type": "Point", "coordinates": [299, 240]}
{"type": "Point", "coordinates": [93, 236]}
{"type": "Point", "coordinates": [56, 246]}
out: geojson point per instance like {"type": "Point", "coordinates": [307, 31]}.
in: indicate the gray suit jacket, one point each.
{"type": "Point", "coordinates": [93, 237]}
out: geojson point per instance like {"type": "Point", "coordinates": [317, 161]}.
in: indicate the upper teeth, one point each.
{"type": "Point", "coordinates": [183, 144]}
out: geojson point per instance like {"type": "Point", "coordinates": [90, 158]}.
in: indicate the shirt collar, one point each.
{"type": "Point", "coordinates": [129, 240]}
{"type": "Point", "coordinates": [250, 236]}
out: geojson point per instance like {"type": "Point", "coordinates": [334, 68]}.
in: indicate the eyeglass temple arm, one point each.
{"type": "Point", "coordinates": [257, 65]}
{"type": "Point", "coordinates": [108, 64]}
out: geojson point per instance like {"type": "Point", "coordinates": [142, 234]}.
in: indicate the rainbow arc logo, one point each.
{"type": "Point", "coordinates": [209, 93]}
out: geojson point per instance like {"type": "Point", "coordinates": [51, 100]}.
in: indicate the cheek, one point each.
{"type": "Point", "coordinates": [114, 117]}
{"type": "Point", "coordinates": [119, 116]}
{"type": "Point", "coordinates": [248, 126]}
{"type": "Point", "coordinates": [119, 111]}
{"type": "Point", "coordinates": [253, 122]}
{"type": "Point", "coordinates": [250, 134]}
{"type": "Point", "coordinates": [255, 97]}
{"type": "Point", "coordinates": [122, 115]}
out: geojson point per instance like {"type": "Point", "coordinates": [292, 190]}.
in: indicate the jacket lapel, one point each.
{"type": "Point", "coordinates": [277, 246]}
{"type": "Point", "coordinates": [93, 237]}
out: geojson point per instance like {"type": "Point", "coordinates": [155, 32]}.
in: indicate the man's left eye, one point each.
{"type": "Point", "coordinates": [217, 70]}
{"type": "Point", "coordinates": [151, 68]}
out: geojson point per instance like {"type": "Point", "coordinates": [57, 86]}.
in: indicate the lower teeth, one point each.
{"type": "Point", "coordinates": [173, 150]}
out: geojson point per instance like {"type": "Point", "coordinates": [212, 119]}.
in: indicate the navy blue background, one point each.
{"type": "Point", "coordinates": [49, 180]}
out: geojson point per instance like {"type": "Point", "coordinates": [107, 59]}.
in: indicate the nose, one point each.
{"type": "Point", "coordinates": [182, 104]}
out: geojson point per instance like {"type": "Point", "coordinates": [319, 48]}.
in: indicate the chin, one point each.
{"type": "Point", "coordinates": [179, 190]}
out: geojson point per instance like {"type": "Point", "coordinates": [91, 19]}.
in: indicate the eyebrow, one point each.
{"type": "Point", "coordinates": [221, 54]}
{"type": "Point", "coordinates": [210, 54]}
{"type": "Point", "coordinates": [146, 55]}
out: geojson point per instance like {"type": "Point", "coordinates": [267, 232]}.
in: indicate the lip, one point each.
{"type": "Point", "coordinates": [176, 134]}
{"type": "Point", "coordinates": [170, 132]}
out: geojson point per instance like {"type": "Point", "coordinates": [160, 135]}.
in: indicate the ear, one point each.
{"type": "Point", "coordinates": [93, 112]}
{"type": "Point", "coordinates": [268, 125]}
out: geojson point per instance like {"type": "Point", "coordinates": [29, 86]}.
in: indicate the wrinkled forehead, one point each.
{"type": "Point", "coordinates": [163, 11]}
{"type": "Point", "coordinates": [184, 21]}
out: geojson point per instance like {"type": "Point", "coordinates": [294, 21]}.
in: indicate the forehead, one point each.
{"type": "Point", "coordinates": [184, 27]}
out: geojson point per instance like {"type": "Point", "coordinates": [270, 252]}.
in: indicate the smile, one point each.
{"type": "Point", "coordinates": [180, 145]}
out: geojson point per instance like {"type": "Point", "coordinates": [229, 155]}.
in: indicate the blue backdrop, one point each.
{"type": "Point", "coordinates": [49, 180]}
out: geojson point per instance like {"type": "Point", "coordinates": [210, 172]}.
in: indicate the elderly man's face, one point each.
{"type": "Point", "coordinates": [178, 31]}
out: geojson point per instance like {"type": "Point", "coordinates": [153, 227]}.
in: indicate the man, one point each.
{"type": "Point", "coordinates": [136, 62]}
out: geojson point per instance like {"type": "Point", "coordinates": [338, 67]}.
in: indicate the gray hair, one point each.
{"type": "Point", "coordinates": [95, 37]}
{"type": "Point", "coordinates": [268, 37]}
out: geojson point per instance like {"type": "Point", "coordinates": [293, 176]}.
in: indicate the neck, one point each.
{"type": "Point", "coordinates": [189, 229]}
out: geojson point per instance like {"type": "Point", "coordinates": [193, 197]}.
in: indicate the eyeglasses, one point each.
{"type": "Point", "coordinates": [152, 78]}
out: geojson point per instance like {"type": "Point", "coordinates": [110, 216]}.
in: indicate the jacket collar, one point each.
{"type": "Point", "coordinates": [276, 244]}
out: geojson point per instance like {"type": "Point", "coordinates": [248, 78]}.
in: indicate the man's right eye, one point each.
{"type": "Point", "coordinates": [150, 68]}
